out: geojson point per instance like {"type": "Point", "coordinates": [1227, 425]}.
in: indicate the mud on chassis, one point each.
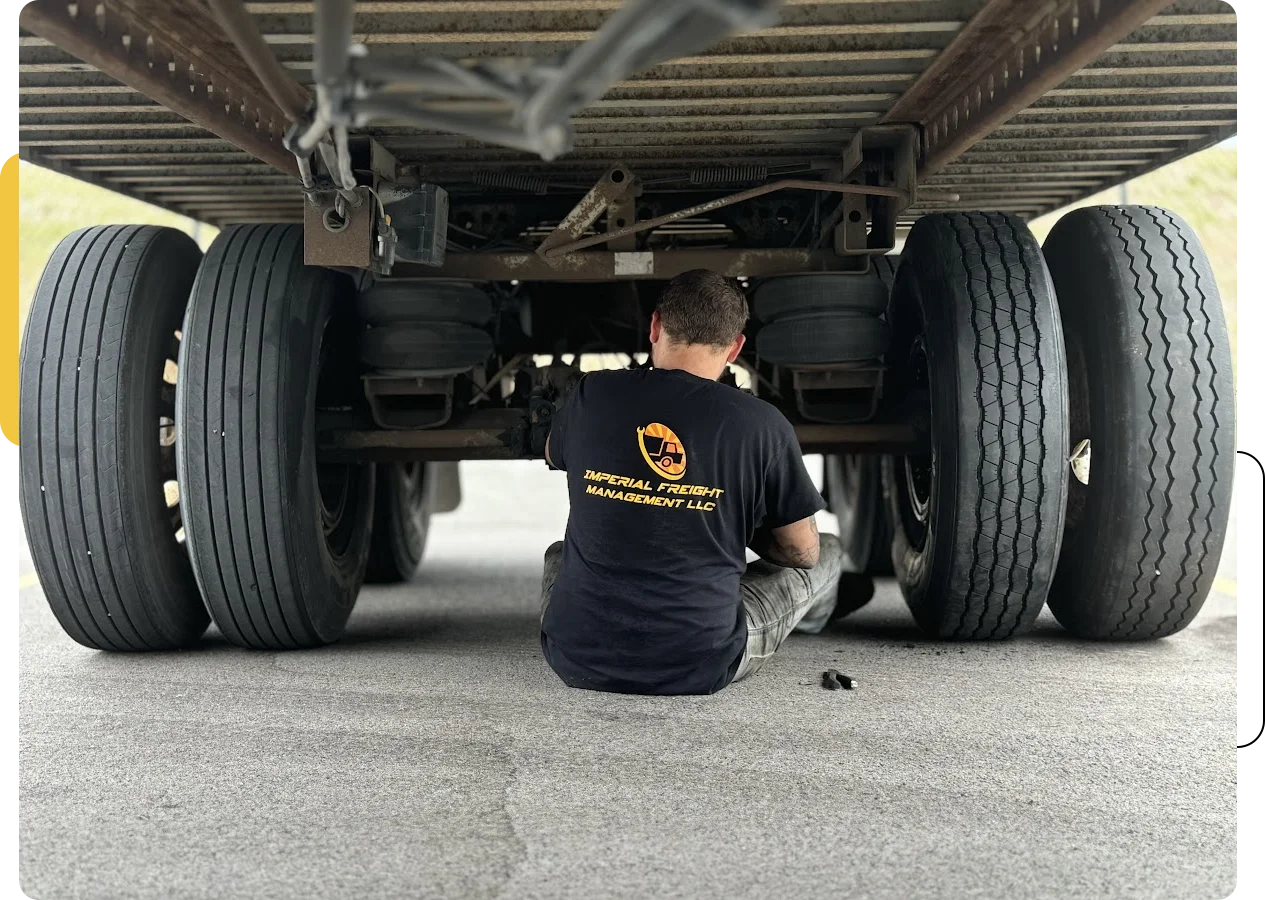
{"type": "Point", "coordinates": [246, 436]}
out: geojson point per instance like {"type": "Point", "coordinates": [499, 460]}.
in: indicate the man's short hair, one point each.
{"type": "Point", "coordinates": [702, 307]}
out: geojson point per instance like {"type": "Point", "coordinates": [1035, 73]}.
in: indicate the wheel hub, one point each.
{"type": "Point", "coordinates": [167, 437]}
{"type": "Point", "coordinates": [914, 490]}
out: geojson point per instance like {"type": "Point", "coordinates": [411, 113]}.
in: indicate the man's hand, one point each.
{"type": "Point", "coordinates": [796, 546]}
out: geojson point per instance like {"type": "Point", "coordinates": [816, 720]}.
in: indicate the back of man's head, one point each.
{"type": "Point", "coordinates": [702, 307]}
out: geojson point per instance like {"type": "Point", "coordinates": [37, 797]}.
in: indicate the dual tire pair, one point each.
{"type": "Point", "coordinates": [272, 544]}
{"type": "Point", "coordinates": [1111, 339]}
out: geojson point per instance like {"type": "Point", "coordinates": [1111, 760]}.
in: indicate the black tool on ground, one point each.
{"type": "Point", "coordinates": [834, 680]}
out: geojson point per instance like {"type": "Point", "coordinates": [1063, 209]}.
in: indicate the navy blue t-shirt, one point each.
{"type": "Point", "coordinates": [669, 476]}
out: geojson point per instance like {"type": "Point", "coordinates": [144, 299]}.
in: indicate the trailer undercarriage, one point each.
{"type": "Point", "coordinates": [437, 214]}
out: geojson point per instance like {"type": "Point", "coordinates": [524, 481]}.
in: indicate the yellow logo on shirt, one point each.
{"type": "Point", "coordinates": [662, 450]}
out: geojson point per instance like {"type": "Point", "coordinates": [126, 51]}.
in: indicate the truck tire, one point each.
{"type": "Point", "coordinates": [425, 300]}
{"type": "Point", "coordinates": [854, 493]}
{"type": "Point", "coordinates": [792, 295]}
{"type": "Point", "coordinates": [279, 542]}
{"type": "Point", "coordinates": [822, 339]}
{"type": "Point", "coordinates": [401, 521]}
{"type": "Point", "coordinates": [978, 520]}
{"type": "Point", "coordinates": [1151, 387]}
{"type": "Point", "coordinates": [96, 457]}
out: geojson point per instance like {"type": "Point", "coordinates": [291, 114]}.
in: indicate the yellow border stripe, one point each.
{"type": "Point", "coordinates": [27, 579]}
{"type": "Point", "coordinates": [1226, 586]}
{"type": "Point", "coordinates": [8, 462]}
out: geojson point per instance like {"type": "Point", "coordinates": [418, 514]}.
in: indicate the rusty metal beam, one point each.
{"type": "Point", "coordinates": [596, 265]}
{"type": "Point", "coordinates": [1004, 60]}
{"type": "Point", "coordinates": [174, 53]}
{"type": "Point", "coordinates": [478, 436]}
{"type": "Point", "coordinates": [610, 188]}
{"type": "Point", "coordinates": [863, 190]}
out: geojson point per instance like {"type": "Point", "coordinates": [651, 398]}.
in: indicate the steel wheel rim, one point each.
{"type": "Point", "coordinates": [916, 480]}
{"type": "Point", "coordinates": [170, 486]}
{"type": "Point", "coordinates": [335, 482]}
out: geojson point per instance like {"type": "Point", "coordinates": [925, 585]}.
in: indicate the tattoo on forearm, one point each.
{"type": "Point", "coordinates": [803, 557]}
{"type": "Point", "coordinates": [770, 548]}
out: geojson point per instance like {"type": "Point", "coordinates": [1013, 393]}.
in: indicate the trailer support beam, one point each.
{"type": "Point", "coordinates": [644, 265]}
{"type": "Point", "coordinates": [1004, 60]}
{"type": "Point", "coordinates": [176, 55]}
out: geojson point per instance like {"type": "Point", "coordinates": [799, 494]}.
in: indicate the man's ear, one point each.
{"type": "Point", "coordinates": [656, 327]}
{"type": "Point", "coordinates": [735, 349]}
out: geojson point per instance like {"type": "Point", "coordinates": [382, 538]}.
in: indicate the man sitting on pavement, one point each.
{"type": "Point", "coordinates": [671, 476]}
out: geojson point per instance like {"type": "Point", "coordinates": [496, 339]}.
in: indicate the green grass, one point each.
{"type": "Point", "coordinates": [52, 205]}
{"type": "Point", "coordinates": [1203, 190]}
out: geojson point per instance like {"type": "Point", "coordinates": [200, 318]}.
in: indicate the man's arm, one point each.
{"type": "Point", "coordinates": [565, 408]}
{"type": "Point", "coordinates": [795, 546]}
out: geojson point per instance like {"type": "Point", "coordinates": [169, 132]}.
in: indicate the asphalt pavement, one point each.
{"type": "Point", "coordinates": [432, 753]}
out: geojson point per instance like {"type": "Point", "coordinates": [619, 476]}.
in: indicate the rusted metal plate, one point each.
{"type": "Point", "coordinates": [596, 265]}
{"type": "Point", "coordinates": [352, 247]}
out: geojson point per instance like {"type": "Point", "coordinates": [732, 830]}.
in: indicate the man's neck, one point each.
{"type": "Point", "coordinates": [696, 360]}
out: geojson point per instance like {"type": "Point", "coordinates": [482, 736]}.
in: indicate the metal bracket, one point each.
{"type": "Point", "coordinates": [838, 395]}
{"type": "Point", "coordinates": [382, 163]}
{"type": "Point", "coordinates": [348, 247]}
{"type": "Point", "coordinates": [400, 402]}
{"type": "Point", "coordinates": [620, 214]}
{"type": "Point", "coordinates": [611, 189]}
{"type": "Point", "coordinates": [882, 154]}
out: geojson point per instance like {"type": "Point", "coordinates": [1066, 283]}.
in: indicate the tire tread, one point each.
{"type": "Point", "coordinates": [246, 537]}
{"type": "Point", "coordinates": [1020, 419]}
{"type": "Point", "coordinates": [1005, 525]}
{"type": "Point", "coordinates": [106, 591]}
{"type": "Point", "coordinates": [1151, 610]}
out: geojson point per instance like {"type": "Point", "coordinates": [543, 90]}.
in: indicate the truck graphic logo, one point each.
{"type": "Point", "coordinates": [662, 450]}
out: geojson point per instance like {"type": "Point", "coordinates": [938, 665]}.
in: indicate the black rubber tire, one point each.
{"type": "Point", "coordinates": [424, 345]}
{"type": "Point", "coordinates": [101, 327]}
{"type": "Point", "coordinates": [793, 295]}
{"type": "Point", "coordinates": [978, 563]}
{"type": "Point", "coordinates": [822, 338]}
{"type": "Point", "coordinates": [425, 300]}
{"type": "Point", "coordinates": [1151, 384]}
{"type": "Point", "coordinates": [261, 336]}
{"type": "Point", "coordinates": [401, 522]}
{"type": "Point", "coordinates": [854, 494]}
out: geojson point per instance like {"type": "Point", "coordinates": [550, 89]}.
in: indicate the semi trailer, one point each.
{"type": "Point", "coordinates": [435, 214]}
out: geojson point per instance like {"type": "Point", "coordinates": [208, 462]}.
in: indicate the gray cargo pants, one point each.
{"type": "Point", "coordinates": [777, 600]}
